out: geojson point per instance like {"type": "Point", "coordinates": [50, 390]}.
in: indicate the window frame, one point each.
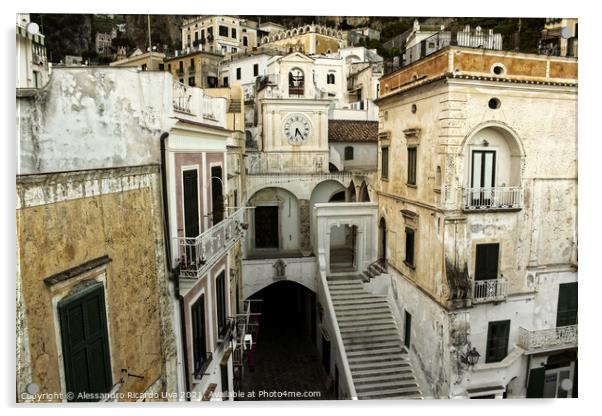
{"type": "Point", "coordinates": [348, 153]}
{"type": "Point", "coordinates": [504, 348]}
{"type": "Point", "coordinates": [384, 167]}
{"type": "Point", "coordinates": [411, 262]}
{"type": "Point", "coordinates": [412, 161]}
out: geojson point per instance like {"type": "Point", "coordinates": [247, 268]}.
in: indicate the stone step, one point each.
{"type": "Point", "coordinates": [353, 306]}
{"type": "Point", "coordinates": [375, 346]}
{"type": "Point", "coordinates": [405, 392]}
{"type": "Point", "coordinates": [359, 301]}
{"type": "Point", "coordinates": [379, 364]}
{"type": "Point", "coordinates": [344, 281]}
{"type": "Point", "coordinates": [365, 322]}
{"type": "Point", "coordinates": [352, 295]}
{"type": "Point", "coordinates": [364, 317]}
{"type": "Point", "coordinates": [363, 311]}
{"type": "Point", "coordinates": [385, 385]}
{"type": "Point", "coordinates": [377, 358]}
{"type": "Point", "coordinates": [381, 372]}
{"type": "Point", "coordinates": [372, 378]}
{"type": "Point", "coordinates": [368, 329]}
{"type": "Point", "coordinates": [374, 351]}
{"type": "Point", "coordinates": [347, 292]}
{"type": "Point", "coordinates": [368, 340]}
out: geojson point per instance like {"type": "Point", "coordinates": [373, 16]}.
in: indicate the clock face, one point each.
{"type": "Point", "coordinates": [297, 128]}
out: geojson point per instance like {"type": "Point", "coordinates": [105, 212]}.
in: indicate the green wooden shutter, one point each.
{"type": "Point", "coordinates": [536, 382]}
{"type": "Point", "coordinates": [567, 304]}
{"type": "Point", "coordinates": [85, 342]}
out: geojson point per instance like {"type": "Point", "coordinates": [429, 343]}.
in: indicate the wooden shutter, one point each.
{"type": "Point", "coordinates": [409, 246]}
{"type": "Point", "coordinates": [536, 383]}
{"type": "Point", "coordinates": [198, 334]}
{"type": "Point", "coordinates": [85, 342]}
{"type": "Point", "coordinates": [566, 313]}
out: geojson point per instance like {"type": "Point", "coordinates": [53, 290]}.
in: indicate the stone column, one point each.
{"type": "Point", "coordinates": [304, 233]}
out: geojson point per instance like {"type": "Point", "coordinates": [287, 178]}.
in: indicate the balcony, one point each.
{"type": "Point", "coordinates": [498, 198]}
{"type": "Point", "coordinates": [562, 337]}
{"type": "Point", "coordinates": [193, 104]}
{"type": "Point", "coordinates": [494, 290]}
{"type": "Point", "coordinates": [198, 255]}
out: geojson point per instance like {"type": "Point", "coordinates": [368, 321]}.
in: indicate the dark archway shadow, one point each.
{"type": "Point", "coordinates": [286, 360]}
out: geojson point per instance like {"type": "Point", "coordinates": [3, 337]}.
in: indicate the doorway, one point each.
{"type": "Point", "coordinates": [483, 177]}
{"type": "Point", "coordinates": [382, 228]}
{"type": "Point", "coordinates": [266, 227]}
{"type": "Point", "coordinates": [407, 329]}
{"type": "Point", "coordinates": [343, 241]}
{"type": "Point", "coordinates": [190, 187]}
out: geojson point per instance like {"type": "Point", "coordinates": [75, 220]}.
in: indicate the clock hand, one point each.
{"type": "Point", "coordinates": [298, 133]}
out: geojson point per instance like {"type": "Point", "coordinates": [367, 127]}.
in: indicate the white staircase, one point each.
{"type": "Point", "coordinates": [378, 360]}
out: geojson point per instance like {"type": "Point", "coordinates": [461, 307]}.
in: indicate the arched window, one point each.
{"type": "Point", "coordinates": [348, 153]}
{"type": "Point", "coordinates": [296, 82]}
{"type": "Point", "coordinates": [330, 79]}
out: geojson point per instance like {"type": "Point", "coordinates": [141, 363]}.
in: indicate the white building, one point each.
{"type": "Point", "coordinates": [219, 34]}
{"type": "Point", "coordinates": [32, 64]}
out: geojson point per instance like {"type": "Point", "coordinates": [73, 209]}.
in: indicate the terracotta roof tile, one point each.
{"type": "Point", "coordinates": [352, 131]}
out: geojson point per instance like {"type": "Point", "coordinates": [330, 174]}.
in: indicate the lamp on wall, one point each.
{"type": "Point", "coordinates": [471, 357]}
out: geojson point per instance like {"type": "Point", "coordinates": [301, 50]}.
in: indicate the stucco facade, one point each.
{"type": "Point", "coordinates": [446, 120]}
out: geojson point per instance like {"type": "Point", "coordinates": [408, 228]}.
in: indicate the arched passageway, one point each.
{"type": "Point", "coordinates": [286, 359]}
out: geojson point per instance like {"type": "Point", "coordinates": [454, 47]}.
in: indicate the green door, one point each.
{"type": "Point", "coordinates": [85, 343]}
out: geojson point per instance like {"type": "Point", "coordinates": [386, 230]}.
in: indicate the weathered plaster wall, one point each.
{"type": "Point", "coordinates": [364, 155]}
{"type": "Point", "coordinates": [64, 220]}
{"type": "Point", "coordinates": [83, 118]}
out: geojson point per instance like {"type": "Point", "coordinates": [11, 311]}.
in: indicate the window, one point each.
{"type": "Point", "coordinates": [348, 153]}
{"type": "Point", "coordinates": [235, 198]}
{"type": "Point", "coordinates": [217, 201]}
{"type": "Point", "coordinates": [486, 266]}
{"type": "Point", "coordinates": [409, 260]}
{"type": "Point", "coordinates": [83, 323]}
{"type": "Point", "coordinates": [226, 82]}
{"type": "Point", "coordinates": [220, 292]}
{"type": "Point", "coordinates": [255, 70]}
{"type": "Point", "coordinates": [238, 73]}
{"type": "Point", "coordinates": [234, 50]}
{"type": "Point", "coordinates": [412, 151]}
{"type": "Point", "coordinates": [245, 41]}
{"type": "Point", "coordinates": [497, 341]}
{"type": "Point", "coordinates": [211, 82]}
{"type": "Point", "coordinates": [330, 79]}
{"type": "Point", "coordinates": [209, 34]}
{"type": "Point", "coordinates": [192, 64]}
{"type": "Point", "coordinates": [191, 81]}
{"type": "Point", "coordinates": [566, 314]}
{"type": "Point", "coordinates": [196, 39]}
{"type": "Point", "coordinates": [199, 348]}
{"type": "Point", "coordinates": [161, 67]}
{"type": "Point", "coordinates": [168, 67]}
{"type": "Point", "coordinates": [385, 163]}
{"type": "Point", "coordinates": [181, 66]}
{"type": "Point", "coordinates": [144, 67]}
{"type": "Point", "coordinates": [296, 82]}
{"type": "Point", "coordinates": [223, 31]}
{"type": "Point", "coordinates": [233, 33]}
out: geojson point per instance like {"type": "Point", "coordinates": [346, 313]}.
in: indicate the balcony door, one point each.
{"type": "Point", "coordinates": [190, 187]}
{"type": "Point", "coordinates": [497, 341]}
{"type": "Point", "coordinates": [482, 177]}
{"type": "Point", "coordinates": [486, 266]}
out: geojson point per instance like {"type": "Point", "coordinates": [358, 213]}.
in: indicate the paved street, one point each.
{"type": "Point", "coordinates": [285, 359]}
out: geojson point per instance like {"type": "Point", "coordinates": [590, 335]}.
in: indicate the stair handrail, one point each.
{"type": "Point", "coordinates": [331, 316]}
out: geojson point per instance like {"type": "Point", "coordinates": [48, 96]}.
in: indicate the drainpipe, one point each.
{"type": "Point", "coordinates": [175, 272]}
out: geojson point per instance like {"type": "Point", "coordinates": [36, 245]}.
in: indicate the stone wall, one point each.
{"type": "Point", "coordinates": [64, 220]}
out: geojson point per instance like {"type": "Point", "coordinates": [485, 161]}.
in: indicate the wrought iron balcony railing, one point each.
{"type": "Point", "coordinates": [494, 290]}
{"type": "Point", "coordinates": [548, 339]}
{"type": "Point", "coordinates": [501, 198]}
{"type": "Point", "coordinates": [199, 254]}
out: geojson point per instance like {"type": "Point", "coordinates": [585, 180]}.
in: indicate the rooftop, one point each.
{"type": "Point", "coordinates": [482, 64]}
{"type": "Point", "coordinates": [352, 131]}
